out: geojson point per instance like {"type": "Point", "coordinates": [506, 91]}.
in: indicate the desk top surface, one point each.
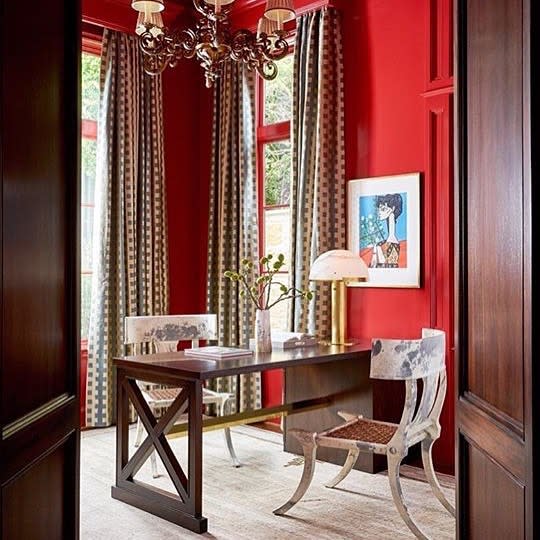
{"type": "Point", "coordinates": [177, 364]}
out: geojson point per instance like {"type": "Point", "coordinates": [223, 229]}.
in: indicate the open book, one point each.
{"type": "Point", "coordinates": [214, 351]}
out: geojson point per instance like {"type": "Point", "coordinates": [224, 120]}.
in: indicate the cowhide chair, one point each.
{"type": "Point", "coordinates": [410, 361]}
{"type": "Point", "coordinates": [163, 333]}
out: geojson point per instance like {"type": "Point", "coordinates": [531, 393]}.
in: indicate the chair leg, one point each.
{"type": "Point", "coordinates": [352, 456]}
{"type": "Point", "coordinates": [427, 460]}
{"type": "Point", "coordinates": [228, 438]}
{"type": "Point", "coordinates": [309, 446]}
{"type": "Point", "coordinates": [153, 462]}
{"type": "Point", "coordinates": [394, 462]}
{"type": "Point", "coordinates": [139, 435]}
{"type": "Point", "coordinates": [138, 438]}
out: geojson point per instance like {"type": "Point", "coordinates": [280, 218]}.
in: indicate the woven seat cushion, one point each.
{"type": "Point", "coordinates": [169, 394]}
{"type": "Point", "coordinates": [365, 430]}
{"type": "Point", "coordinates": [163, 394]}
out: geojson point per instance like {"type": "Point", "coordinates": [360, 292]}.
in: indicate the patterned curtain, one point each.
{"type": "Point", "coordinates": [233, 225]}
{"type": "Point", "coordinates": [130, 227]}
{"type": "Point", "coordinates": [318, 180]}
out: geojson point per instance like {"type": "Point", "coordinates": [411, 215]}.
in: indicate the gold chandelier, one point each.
{"type": "Point", "coordinates": [212, 41]}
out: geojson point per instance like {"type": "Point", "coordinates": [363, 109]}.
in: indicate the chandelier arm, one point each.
{"type": "Point", "coordinates": [267, 69]}
{"type": "Point", "coordinates": [280, 49]}
{"type": "Point", "coordinates": [202, 7]}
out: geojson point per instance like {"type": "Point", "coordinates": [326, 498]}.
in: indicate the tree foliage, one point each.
{"type": "Point", "coordinates": [277, 156]}
{"type": "Point", "coordinates": [90, 68]}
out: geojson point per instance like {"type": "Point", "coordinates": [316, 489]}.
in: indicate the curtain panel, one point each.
{"type": "Point", "coordinates": [318, 169]}
{"type": "Point", "coordinates": [130, 224]}
{"type": "Point", "coordinates": [233, 223]}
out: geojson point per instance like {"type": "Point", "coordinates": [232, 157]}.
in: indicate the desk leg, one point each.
{"type": "Point", "coordinates": [195, 444]}
{"type": "Point", "coordinates": [184, 508]}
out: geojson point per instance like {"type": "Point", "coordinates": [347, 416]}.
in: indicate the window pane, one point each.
{"type": "Point", "coordinates": [88, 170]}
{"type": "Point", "coordinates": [278, 93]}
{"type": "Point", "coordinates": [277, 173]}
{"type": "Point", "coordinates": [86, 287]}
{"type": "Point", "coordinates": [90, 86]}
{"type": "Point", "coordinates": [87, 218]}
{"type": "Point", "coordinates": [277, 233]}
{"type": "Point", "coordinates": [279, 314]}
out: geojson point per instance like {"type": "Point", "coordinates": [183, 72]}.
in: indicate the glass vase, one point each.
{"type": "Point", "coordinates": [263, 337]}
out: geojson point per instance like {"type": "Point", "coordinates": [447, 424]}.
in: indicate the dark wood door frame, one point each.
{"type": "Point", "coordinates": [39, 216]}
{"type": "Point", "coordinates": [494, 308]}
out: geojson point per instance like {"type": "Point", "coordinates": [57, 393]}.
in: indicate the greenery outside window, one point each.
{"type": "Point", "coordinates": [274, 173]}
{"type": "Point", "coordinates": [89, 116]}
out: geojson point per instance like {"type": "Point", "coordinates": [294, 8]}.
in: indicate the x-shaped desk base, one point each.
{"type": "Point", "coordinates": [184, 509]}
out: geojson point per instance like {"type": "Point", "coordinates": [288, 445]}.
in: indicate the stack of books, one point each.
{"type": "Point", "coordinates": [216, 352]}
{"type": "Point", "coordinates": [290, 340]}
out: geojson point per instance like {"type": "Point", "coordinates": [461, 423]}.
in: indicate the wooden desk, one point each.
{"type": "Point", "coordinates": [326, 378]}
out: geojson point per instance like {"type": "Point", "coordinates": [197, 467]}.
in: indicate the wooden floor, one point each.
{"type": "Point", "coordinates": [239, 502]}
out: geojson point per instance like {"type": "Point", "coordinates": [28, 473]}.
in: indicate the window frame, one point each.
{"type": "Point", "coordinates": [91, 45]}
{"type": "Point", "coordinates": [267, 134]}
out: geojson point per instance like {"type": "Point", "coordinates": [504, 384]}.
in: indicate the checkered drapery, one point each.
{"type": "Point", "coordinates": [130, 221]}
{"type": "Point", "coordinates": [318, 176]}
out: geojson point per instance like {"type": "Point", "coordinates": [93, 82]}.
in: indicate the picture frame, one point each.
{"type": "Point", "coordinates": [384, 228]}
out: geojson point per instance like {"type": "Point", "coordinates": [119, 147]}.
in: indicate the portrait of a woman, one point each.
{"type": "Point", "coordinates": [386, 252]}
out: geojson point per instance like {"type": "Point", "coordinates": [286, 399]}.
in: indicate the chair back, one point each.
{"type": "Point", "coordinates": [401, 359]}
{"type": "Point", "coordinates": [165, 331]}
{"type": "Point", "coordinates": [411, 360]}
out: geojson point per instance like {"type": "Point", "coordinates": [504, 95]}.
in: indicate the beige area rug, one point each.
{"type": "Point", "coordinates": [239, 502]}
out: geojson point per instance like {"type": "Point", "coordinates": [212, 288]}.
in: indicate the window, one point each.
{"type": "Point", "coordinates": [89, 112]}
{"type": "Point", "coordinates": [274, 172]}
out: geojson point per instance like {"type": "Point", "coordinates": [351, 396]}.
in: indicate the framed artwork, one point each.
{"type": "Point", "coordinates": [384, 228]}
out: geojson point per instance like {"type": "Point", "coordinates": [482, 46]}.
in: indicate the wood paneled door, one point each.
{"type": "Point", "coordinates": [494, 269]}
{"type": "Point", "coordinates": [39, 212]}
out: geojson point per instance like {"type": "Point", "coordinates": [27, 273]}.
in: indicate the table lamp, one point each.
{"type": "Point", "coordinates": [340, 266]}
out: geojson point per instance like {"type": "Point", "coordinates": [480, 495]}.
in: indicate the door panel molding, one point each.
{"type": "Point", "coordinates": [496, 415]}
{"type": "Point", "coordinates": [36, 414]}
{"type": "Point", "coordinates": [492, 438]}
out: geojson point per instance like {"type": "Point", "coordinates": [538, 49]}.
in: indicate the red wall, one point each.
{"type": "Point", "coordinates": [187, 121]}
{"type": "Point", "coordinates": [187, 117]}
{"type": "Point", "coordinates": [398, 110]}
{"type": "Point", "coordinates": [398, 89]}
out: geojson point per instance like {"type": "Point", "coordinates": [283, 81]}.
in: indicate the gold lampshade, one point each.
{"type": "Point", "coordinates": [339, 266]}
{"type": "Point", "coordinates": [280, 10]}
